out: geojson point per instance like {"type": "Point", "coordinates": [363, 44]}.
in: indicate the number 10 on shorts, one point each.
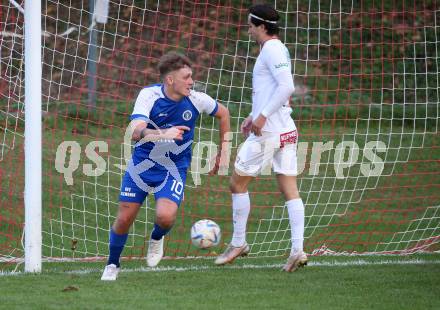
{"type": "Point", "coordinates": [177, 187]}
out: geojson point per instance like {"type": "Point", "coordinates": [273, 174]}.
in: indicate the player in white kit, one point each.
{"type": "Point", "coordinates": [271, 139]}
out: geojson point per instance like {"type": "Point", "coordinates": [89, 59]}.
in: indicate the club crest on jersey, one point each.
{"type": "Point", "coordinates": [187, 115]}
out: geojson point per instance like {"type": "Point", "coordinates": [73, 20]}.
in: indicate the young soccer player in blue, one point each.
{"type": "Point", "coordinates": [162, 124]}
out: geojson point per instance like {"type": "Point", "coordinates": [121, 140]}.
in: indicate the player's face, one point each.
{"type": "Point", "coordinates": [254, 31]}
{"type": "Point", "coordinates": [182, 81]}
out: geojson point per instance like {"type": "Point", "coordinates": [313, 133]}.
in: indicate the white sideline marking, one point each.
{"type": "Point", "coordinates": [351, 263]}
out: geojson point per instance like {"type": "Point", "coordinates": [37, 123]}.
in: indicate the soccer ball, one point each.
{"type": "Point", "coordinates": [205, 234]}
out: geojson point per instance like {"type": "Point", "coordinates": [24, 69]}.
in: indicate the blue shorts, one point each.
{"type": "Point", "coordinates": [159, 182]}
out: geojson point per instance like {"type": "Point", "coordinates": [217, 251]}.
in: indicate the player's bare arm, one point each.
{"type": "Point", "coordinates": [140, 131]}
{"type": "Point", "coordinates": [222, 158]}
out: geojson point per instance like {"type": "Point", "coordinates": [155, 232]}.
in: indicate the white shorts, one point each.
{"type": "Point", "coordinates": [258, 154]}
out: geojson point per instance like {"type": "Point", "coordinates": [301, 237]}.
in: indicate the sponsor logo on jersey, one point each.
{"type": "Point", "coordinates": [163, 114]}
{"type": "Point", "coordinates": [281, 65]}
{"type": "Point", "coordinates": [187, 115]}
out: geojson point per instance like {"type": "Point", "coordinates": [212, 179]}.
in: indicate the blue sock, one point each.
{"type": "Point", "coordinates": [158, 232]}
{"type": "Point", "coordinates": [116, 245]}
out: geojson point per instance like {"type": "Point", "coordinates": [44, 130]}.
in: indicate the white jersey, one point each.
{"type": "Point", "coordinates": [273, 59]}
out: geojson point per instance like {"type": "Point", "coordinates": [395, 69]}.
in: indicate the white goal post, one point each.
{"type": "Point", "coordinates": [33, 174]}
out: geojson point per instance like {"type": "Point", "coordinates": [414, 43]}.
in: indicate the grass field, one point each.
{"type": "Point", "coordinates": [362, 282]}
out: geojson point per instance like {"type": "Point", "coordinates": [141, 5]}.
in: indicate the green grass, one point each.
{"type": "Point", "coordinates": [382, 282]}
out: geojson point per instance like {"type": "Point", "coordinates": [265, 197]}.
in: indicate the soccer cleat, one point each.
{"type": "Point", "coordinates": [232, 253]}
{"type": "Point", "coordinates": [110, 273]}
{"type": "Point", "coordinates": [295, 261]}
{"type": "Point", "coordinates": [155, 252]}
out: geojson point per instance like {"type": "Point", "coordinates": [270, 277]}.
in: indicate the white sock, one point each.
{"type": "Point", "coordinates": [295, 208]}
{"type": "Point", "coordinates": [241, 205]}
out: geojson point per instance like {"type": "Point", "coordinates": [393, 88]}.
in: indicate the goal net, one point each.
{"type": "Point", "coordinates": [366, 106]}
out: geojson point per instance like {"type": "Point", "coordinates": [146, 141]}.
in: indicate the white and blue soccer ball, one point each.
{"type": "Point", "coordinates": [205, 234]}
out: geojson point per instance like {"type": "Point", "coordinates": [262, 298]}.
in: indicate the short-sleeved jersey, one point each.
{"type": "Point", "coordinates": [160, 112]}
{"type": "Point", "coordinates": [273, 59]}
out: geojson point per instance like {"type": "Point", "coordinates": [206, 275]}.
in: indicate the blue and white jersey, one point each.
{"type": "Point", "coordinates": [161, 112]}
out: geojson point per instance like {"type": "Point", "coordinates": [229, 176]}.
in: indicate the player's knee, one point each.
{"type": "Point", "coordinates": [165, 221]}
{"type": "Point", "coordinates": [166, 212]}
{"type": "Point", "coordinates": [236, 187]}
{"type": "Point", "coordinates": [122, 224]}
{"type": "Point", "coordinates": [291, 193]}
{"type": "Point", "coordinates": [232, 187]}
